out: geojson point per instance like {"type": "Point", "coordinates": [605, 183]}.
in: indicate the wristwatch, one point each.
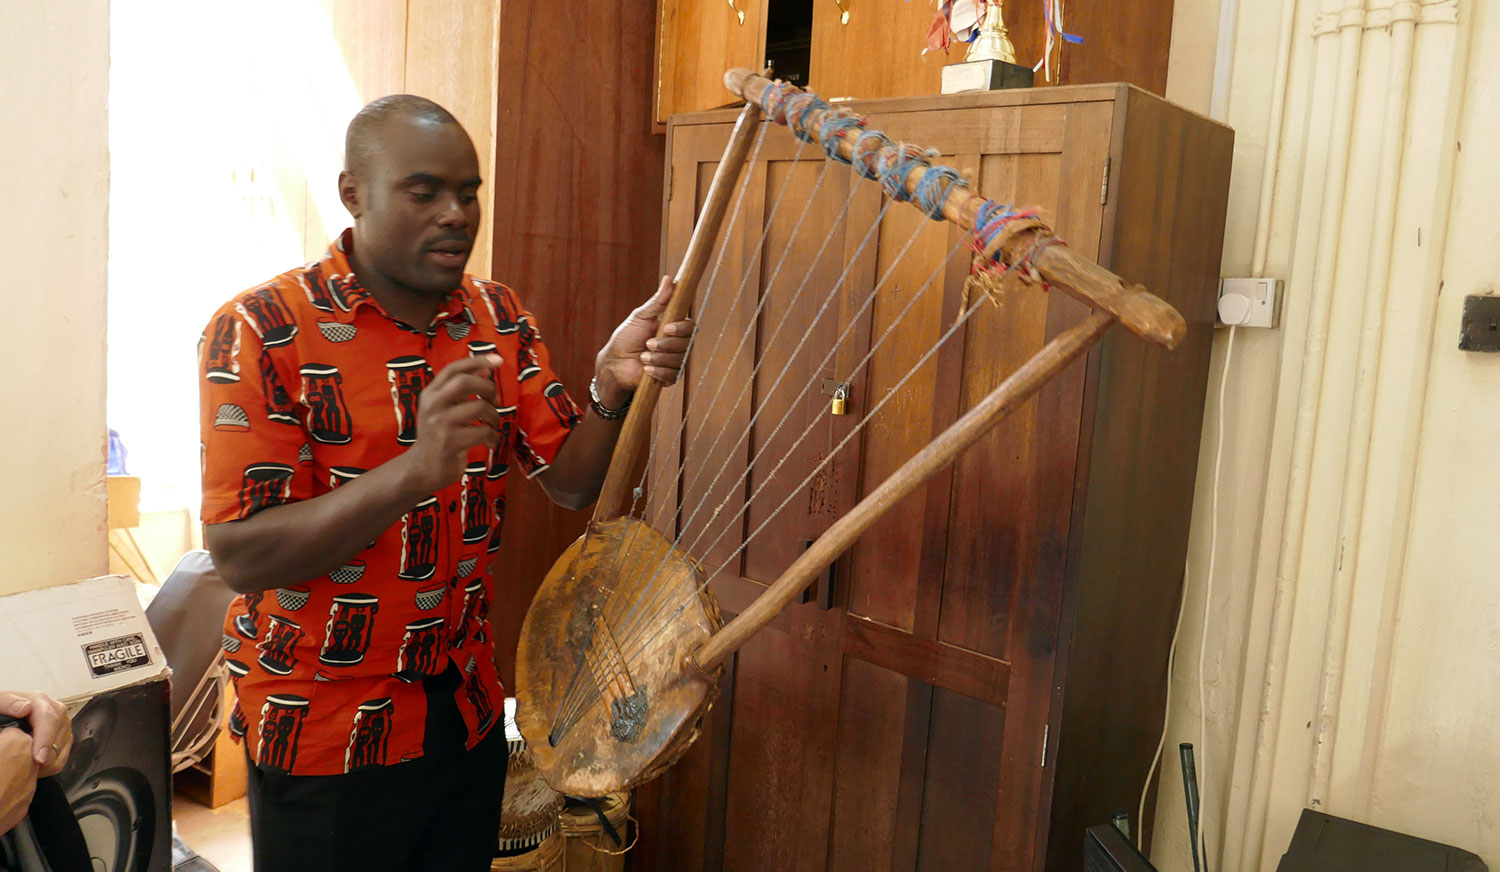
{"type": "Point", "coordinates": [600, 409]}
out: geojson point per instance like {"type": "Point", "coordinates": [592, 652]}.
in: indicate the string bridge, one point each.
{"type": "Point", "coordinates": [628, 703]}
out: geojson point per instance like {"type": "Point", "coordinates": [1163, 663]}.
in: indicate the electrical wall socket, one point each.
{"type": "Point", "coordinates": [1250, 302]}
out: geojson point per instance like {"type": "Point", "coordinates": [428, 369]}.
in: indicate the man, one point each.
{"type": "Point", "coordinates": [361, 418]}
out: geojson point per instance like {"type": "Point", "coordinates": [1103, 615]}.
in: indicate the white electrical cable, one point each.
{"type": "Point", "coordinates": [1140, 815]}
{"type": "Point", "coordinates": [1208, 590]}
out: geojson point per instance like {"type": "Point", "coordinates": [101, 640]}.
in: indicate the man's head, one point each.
{"type": "Point", "coordinates": [411, 179]}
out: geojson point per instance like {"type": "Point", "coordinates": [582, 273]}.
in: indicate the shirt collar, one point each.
{"type": "Point", "coordinates": [332, 287]}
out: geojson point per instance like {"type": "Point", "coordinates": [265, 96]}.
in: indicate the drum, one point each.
{"type": "Point", "coordinates": [546, 857]}
{"type": "Point", "coordinates": [590, 846]}
{"type": "Point", "coordinates": [530, 809]}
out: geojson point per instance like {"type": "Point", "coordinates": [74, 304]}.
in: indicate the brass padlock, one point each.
{"type": "Point", "coordinates": [840, 401]}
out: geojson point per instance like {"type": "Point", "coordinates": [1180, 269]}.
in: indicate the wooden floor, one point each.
{"type": "Point", "coordinates": [221, 836]}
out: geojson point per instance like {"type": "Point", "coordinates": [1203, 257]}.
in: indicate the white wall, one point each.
{"type": "Point", "coordinates": [1350, 662]}
{"type": "Point", "coordinates": [54, 67]}
{"type": "Point", "coordinates": [226, 159]}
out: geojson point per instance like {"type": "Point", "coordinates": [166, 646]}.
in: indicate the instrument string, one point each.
{"type": "Point", "coordinates": [625, 593]}
{"type": "Point", "coordinates": [738, 210]}
{"type": "Point", "coordinates": [786, 316]}
{"type": "Point", "coordinates": [615, 605]}
{"type": "Point", "coordinates": [628, 635]}
{"type": "Point", "coordinates": [573, 703]}
{"type": "Point", "coordinates": [792, 407]}
{"type": "Point", "coordinates": [683, 525]}
{"type": "Point", "coordinates": [833, 349]}
{"type": "Point", "coordinates": [764, 297]}
{"type": "Point", "coordinates": [958, 322]}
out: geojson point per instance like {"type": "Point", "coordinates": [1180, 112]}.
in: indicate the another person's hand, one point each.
{"type": "Point", "coordinates": [634, 350]}
{"type": "Point", "coordinates": [454, 413]}
{"type": "Point", "coordinates": [18, 774]}
{"type": "Point", "coordinates": [51, 728]}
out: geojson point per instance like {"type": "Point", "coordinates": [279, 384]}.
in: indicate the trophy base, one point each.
{"type": "Point", "coordinates": [985, 76]}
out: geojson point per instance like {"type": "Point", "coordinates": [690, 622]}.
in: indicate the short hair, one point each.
{"type": "Point", "coordinates": [359, 140]}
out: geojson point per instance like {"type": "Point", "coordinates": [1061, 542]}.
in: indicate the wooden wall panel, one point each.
{"type": "Point", "coordinates": [719, 409]}
{"type": "Point", "coordinates": [1002, 479]}
{"type": "Point", "coordinates": [867, 784]}
{"type": "Point", "coordinates": [793, 430]}
{"type": "Point", "coordinates": [371, 35]}
{"type": "Point", "coordinates": [698, 41]}
{"type": "Point", "coordinates": [959, 795]}
{"type": "Point", "coordinates": [877, 54]}
{"type": "Point", "coordinates": [1122, 42]}
{"type": "Point", "coordinates": [577, 221]}
{"type": "Point", "coordinates": [886, 560]}
{"type": "Point", "coordinates": [451, 58]}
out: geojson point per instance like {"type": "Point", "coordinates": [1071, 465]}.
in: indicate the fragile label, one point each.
{"type": "Point", "coordinates": [113, 656]}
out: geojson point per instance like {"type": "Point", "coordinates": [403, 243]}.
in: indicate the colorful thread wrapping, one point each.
{"type": "Point", "coordinates": [867, 147]}
{"type": "Point", "coordinates": [879, 158]}
{"type": "Point", "coordinates": [836, 125]}
{"type": "Point", "coordinates": [934, 187]}
{"type": "Point", "coordinates": [992, 219]}
{"type": "Point", "coordinates": [893, 165]}
{"type": "Point", "coordinates": [797, 107]}
{"type": "Point", "coordinates": [1025, 262]}
{"type": "Point", "coordinates": [775, 101]}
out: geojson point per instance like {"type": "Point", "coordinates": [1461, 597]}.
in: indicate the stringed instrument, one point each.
{"type": "Point", "coordinates": [622, 647]}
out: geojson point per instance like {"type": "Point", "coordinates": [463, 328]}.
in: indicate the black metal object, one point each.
{"type": "Point", "coordinates": [1480, 330]}
{"type": "Point", "coordinates": [1190, 796]}
{"type": "Point", "coordinates": [822, 589]}
{"type": "Point", "coordinates": [1324, 843]}
{"type": "Point", "coordinates": [1106, 849]}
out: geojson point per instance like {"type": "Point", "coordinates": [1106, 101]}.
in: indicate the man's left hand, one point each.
{"type": "Point", "coordinates": [635, 351]}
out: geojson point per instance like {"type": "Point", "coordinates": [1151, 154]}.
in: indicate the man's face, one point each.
{"type": "Point", "coordinates": [417, 208]}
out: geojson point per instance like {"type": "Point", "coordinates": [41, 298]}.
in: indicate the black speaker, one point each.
{"type": "Point", "coordinates": [118, 779]}
{"type": "Point", "coordinates": [118, 785]}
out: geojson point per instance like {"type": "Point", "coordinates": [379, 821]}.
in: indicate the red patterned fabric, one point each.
{"type": "Point", "coordinates": [306, 383]}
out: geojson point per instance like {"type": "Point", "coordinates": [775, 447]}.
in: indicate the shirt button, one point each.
{"type": "Point", "coordinates": [453, 506]}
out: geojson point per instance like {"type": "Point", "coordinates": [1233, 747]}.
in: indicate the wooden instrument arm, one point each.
{"type": "Point", "coordinates": [614, 495]}
{"type": "Point", "coordinates": [1142, 312]}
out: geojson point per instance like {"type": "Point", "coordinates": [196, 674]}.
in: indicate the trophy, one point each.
{"type": "Point", "coordinates": [991, 61]}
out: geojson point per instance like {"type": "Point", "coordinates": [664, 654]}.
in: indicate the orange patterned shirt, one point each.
{"type": "Point", "coordinates": [306, 382]}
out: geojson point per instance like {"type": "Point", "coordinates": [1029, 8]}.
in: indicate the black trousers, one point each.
{"type": "Point", "coordinates": [439, 812]}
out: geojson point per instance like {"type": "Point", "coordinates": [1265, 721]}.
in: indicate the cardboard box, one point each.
{"type": "Point", "coordinates": [88, 645]}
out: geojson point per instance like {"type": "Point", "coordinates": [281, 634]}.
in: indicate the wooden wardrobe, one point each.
{"type": "Point", "coordinates": [983, 675]}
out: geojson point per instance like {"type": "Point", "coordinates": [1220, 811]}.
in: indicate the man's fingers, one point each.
{"type": "Point", "coordinates": [477, 410]}
{"type": "Point", "coordinates": [466, 366]}
{"type": "Point", "coordinates": [683, 328]}
{"type": "Point", "coordinates": [51, 731]}
{"type": "Point", "coordinates": [14, 704]}
{"type": "Point", "coordinates": [665, 375]}
{"type": "Point", "coordinates": [668, 344]}
{"type": "Point", "coordinates": [460, 388]}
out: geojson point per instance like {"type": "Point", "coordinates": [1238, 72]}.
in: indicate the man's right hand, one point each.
{"type": "Point", "coordinates": [18, 774]}
{"type": "Point", "coordinates": [310, 538]}
{"type": "Point", "coordinates": [455, 413]}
